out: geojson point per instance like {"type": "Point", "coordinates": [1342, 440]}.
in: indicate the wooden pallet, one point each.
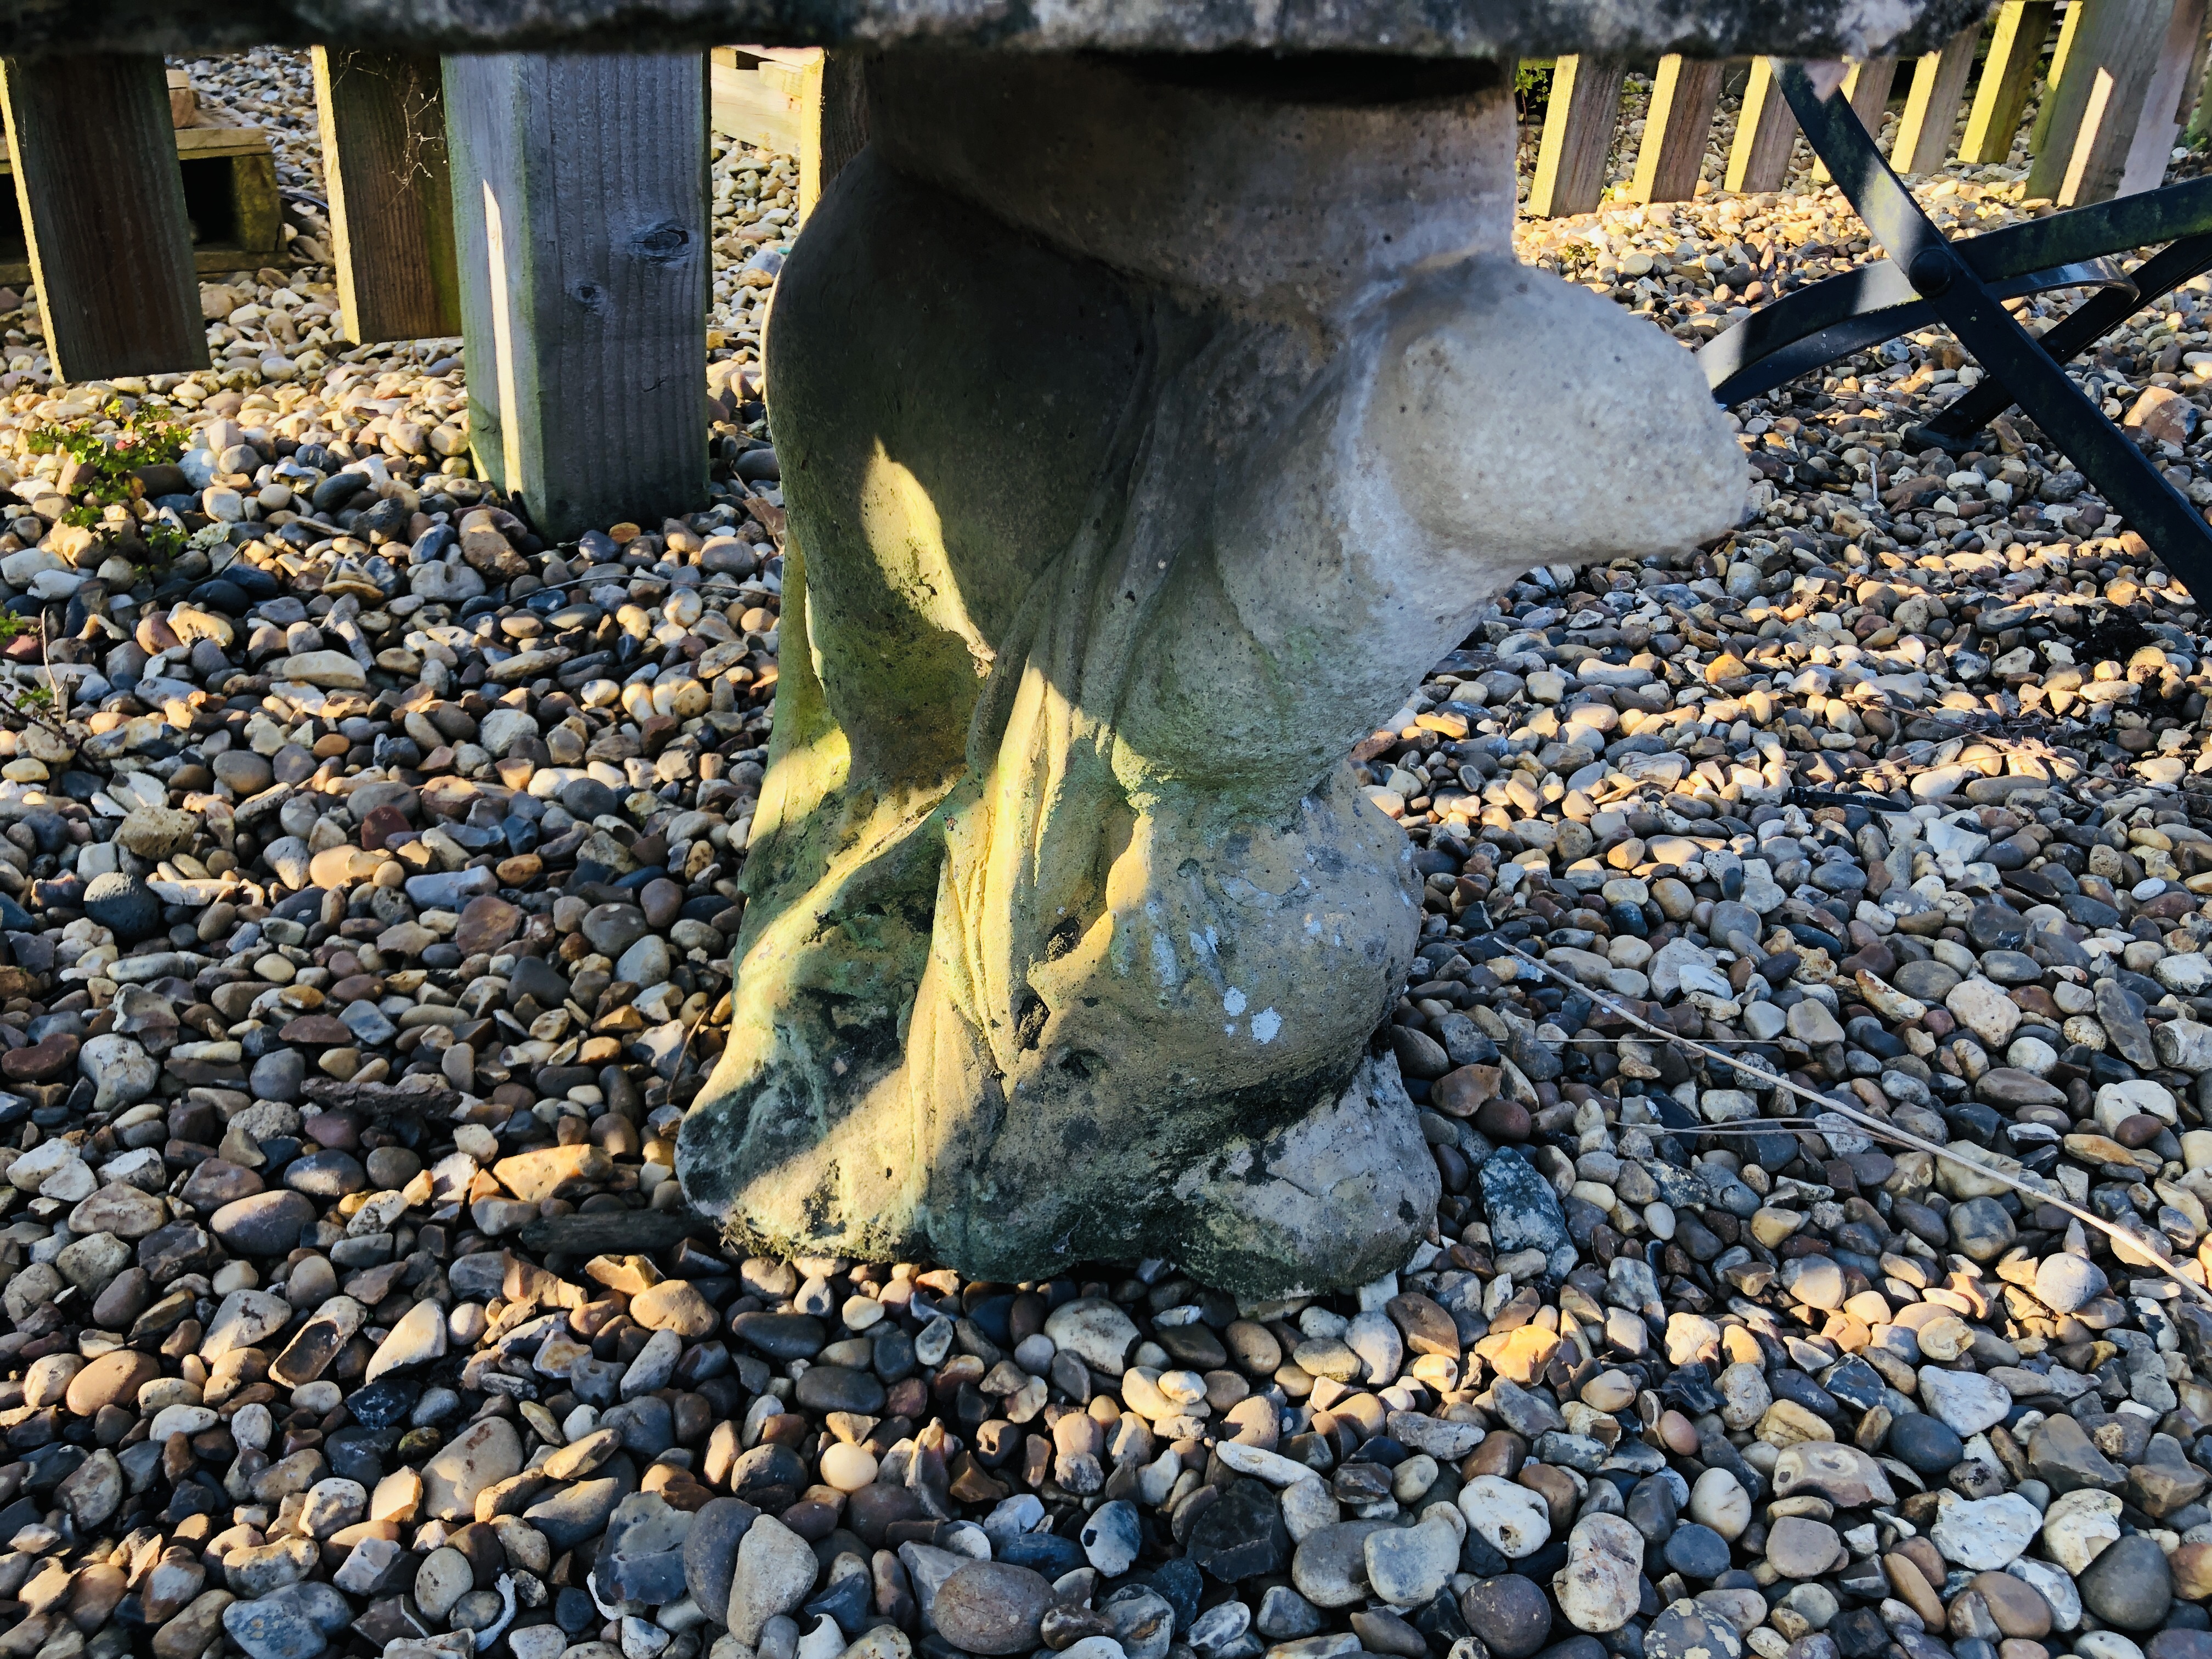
{"type": "Point", "coordinates": [2122, 78]}
{"type": "Point", "coordinates": [790, 100]}
{"type": "Point", "coordinates": [230, 197]}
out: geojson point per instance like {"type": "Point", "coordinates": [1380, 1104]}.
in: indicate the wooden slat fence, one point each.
{"type": "Point", "coordinates": [563, 329]}
{"type": "Point", "coordinates": [2121, 82]}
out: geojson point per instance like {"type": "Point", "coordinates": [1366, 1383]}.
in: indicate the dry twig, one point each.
{"type": "Point", "coordinates": [2129, 1248]}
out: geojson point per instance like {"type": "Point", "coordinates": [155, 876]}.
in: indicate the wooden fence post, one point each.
{"type": "Point", "coordinates": [2008, 73]}
{"type": "Point", "coordinates": [1579, 122]}
{"type": "Point", "coordinates": [1866, 89]}
{"type": "Point", "coordinates": [102, 199]}
{"type": "Point", "coordinates": [383, 122]}
{"type": "Point", "coordinates": [580, 221]}
{"type": "Point", "coordinates": [1931, 104]}
{"type": "Point", "coordinates": [1765, 134]}
{"type": "Point", "coordinates": [2192, 105]}
{"type": "Point", "coordinates": [2097, 101]}
{"type": "Point", "coordinates": [2200, 106]}
{"type": "Point", "coordinates": [1866, 86]}
{"type": "Point", "coordinates": [2167, 103]}
{"type": "Point", "coordinates": [1676, 128]}
{"type": "Point", "coordinates": [839, 131]}
{"type": "Point", "coordinates": [2070, 29]}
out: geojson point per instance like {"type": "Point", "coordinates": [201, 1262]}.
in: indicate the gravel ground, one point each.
{"type": "Point", "coordinates": [367, 928]}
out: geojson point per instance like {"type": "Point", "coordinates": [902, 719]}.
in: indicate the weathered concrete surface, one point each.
{"type": "Point", "coordinates": [1127, 499]}
{"type": "Point", "coordinates": [1714, 29]}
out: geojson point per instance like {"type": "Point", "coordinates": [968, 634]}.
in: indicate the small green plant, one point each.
{"type": "Point", "coordinates": [103, 477]}
{"type": "Point", "coordinates": [1531, 89]}
{"type": "Point", "coordinates": [147, 436]}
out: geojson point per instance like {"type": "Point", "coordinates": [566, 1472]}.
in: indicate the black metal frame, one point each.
{"type": "Point", "coordinates": [1960, 284]}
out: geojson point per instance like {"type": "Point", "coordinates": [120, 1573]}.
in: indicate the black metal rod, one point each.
{"type": "Point", "coordinates": [1860, 309]}
{"type": "Point", "coordinates": [1800, 352]}
{"type": "Point", "coordinates": [2143, 220]}
{"type": "Point", "coordinates": [1950, 283]}
{"type": "Point", "coordinates": [1731, 359]}
{"type": "Point", "coordinates": [2089, 323]}
{"type": "Point", "coordinates": [2058, 251]}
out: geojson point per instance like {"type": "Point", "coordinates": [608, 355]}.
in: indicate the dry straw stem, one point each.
{"type": "Point", "coordinates": [2125, 1245]}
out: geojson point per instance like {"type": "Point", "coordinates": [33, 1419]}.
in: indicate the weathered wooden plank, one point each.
{"type": "Point", "coordinates": [2099, 98]}
{"type": "Point", "coordinates": [758, 99]}
{"type": "Point", "coordinates": [1931, 104]}
{"type": "Point", "coordinates": [383, 122]}
{"type": "Point", "coordinates": [257, 210]}
{"type": "Point", "coordinates": [199, 143]}
{"type": "Point", "coordinates": [580, 224]}
{"type": "Point", "coordinates": [2007, 74]}
{"type": "Point", "coordinates": [94, 151]}
{"type": "Point", "coordinates": [184, 101]}
{"type": "Point", "coordinates": [839, 128]}
{"type": "Point", "coordinates": [1765, 134]}
{"type": "Point", "coordinates": [231, 207]}
{"type": "Point", "coordinates": [1866, 86]}
{"type": "Point", "coordinates": [1676, 129]}
{"type": "Point", "coordinates": [2070, 30]}
{"type": "Point", "coordinates": [1866, 89]}
{"type": "Point", "coordinates": [1579, 122]}
{"type": "Point", "coordinates": [2168, 102]}
{"type": "Point", "coordinates": [2192, 89]}
{"type": "Point", "coordinates": [809, 135]}
{"type": "Point", "coordinates": [2200, 105]}
{"type": "Point", "coordinates": [801, 102]}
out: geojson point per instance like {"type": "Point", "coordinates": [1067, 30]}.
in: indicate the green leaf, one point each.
{"type": "Point", "coordinates": [145, 436]}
